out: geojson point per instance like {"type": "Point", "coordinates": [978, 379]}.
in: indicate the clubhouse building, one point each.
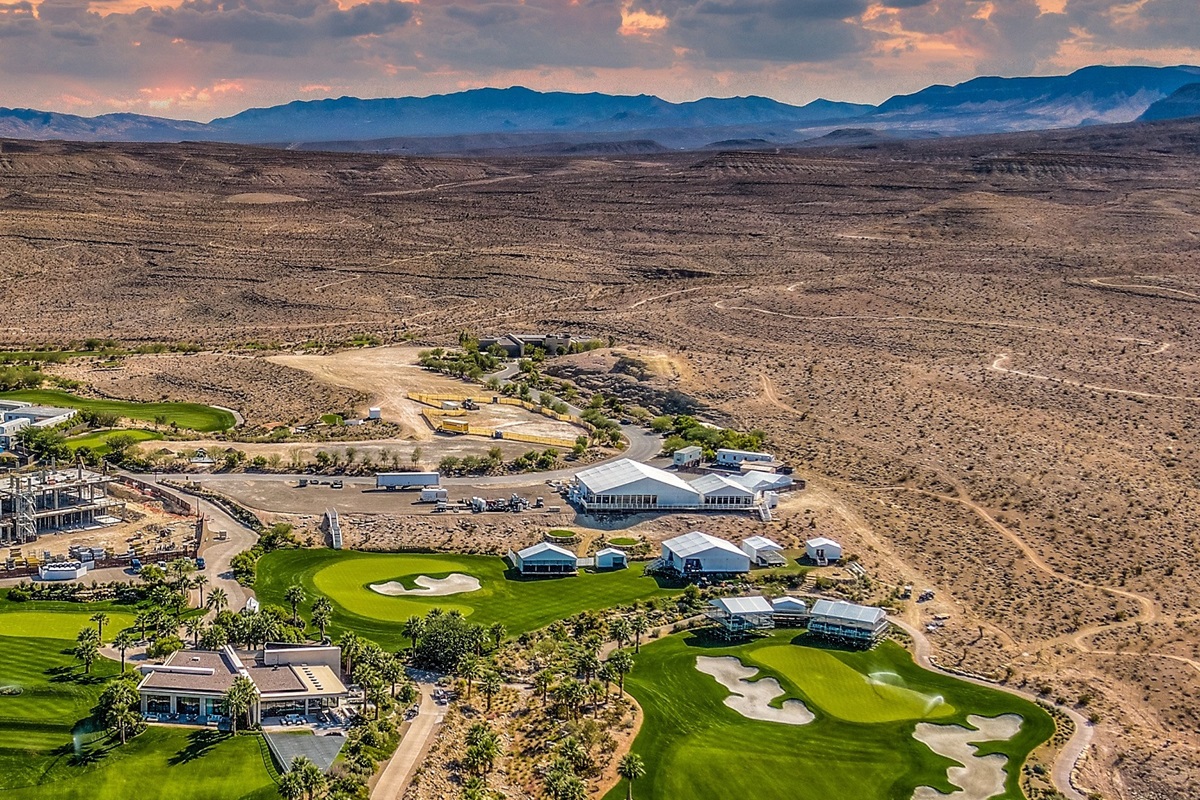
{"type": "Point", "coordinates": [288, 679]}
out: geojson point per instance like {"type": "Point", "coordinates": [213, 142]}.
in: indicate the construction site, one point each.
{"type": "Point", "coordinates": [53, 500]}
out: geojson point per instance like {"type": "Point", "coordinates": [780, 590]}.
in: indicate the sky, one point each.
{"type": "Point", "coordinates": [200, 59]}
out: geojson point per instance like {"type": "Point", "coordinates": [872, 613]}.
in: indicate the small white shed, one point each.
{"type": "Point", "coordinates": [822, 550]}
{"type": "Point", "coordinates": [687, 456]}
{"type": "Point", "coordinates": [611, 558]}
{"type": "Point", "coordinates": [763, 552]}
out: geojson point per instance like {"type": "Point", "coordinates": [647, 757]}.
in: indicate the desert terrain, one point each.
{"type": "Point", "coordinates": [982, 354]}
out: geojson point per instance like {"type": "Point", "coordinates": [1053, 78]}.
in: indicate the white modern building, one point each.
{"type": "Point", "coordinates": [544, 558]}
{"type": "Point", "coordinates": [697, 553]}
{"type": "Point", "coordinates": [38, 416]}
{"type": "Point", "coordinates": [626, 485]}
{"type": "Point", "coordinates": [847, 623]}
{"type": "Point", "coordinates": [741, 616]}
{"type": "Point", "coordinates": [687, 457]}
{"type": "Point", "coordinates": [735, 458]}
{"type": "Point", "coordinates": [720, 492]}
{"type": "Point", "coordinates": [790, 612]}
{"type": "Point", "coordinates": [190, 685]}
{"type": "Point", "coordinates": [822, 550]}
{"type": "Point", "coordinates": [763, 552]}
{"type": "Point", "coordinates": [611, 558]}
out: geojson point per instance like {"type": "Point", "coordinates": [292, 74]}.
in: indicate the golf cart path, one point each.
{"type": "Point", "coordinates": [400, 768]}
{"type": "Point", "coordinates": [1063, 772]}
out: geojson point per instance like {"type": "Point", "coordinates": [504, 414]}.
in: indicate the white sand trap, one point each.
{"type": "Point", "coordinates": [262, 198]}
{"type": "Point", "coordinates": [752, 699]}
{"type": "Point", "coordinates": [979, 777]}
{"type": "Point", "coordinates": [456, 583]}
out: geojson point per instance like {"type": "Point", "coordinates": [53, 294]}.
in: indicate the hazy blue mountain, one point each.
{"type": "Point", "coordinates": [27, 123]}
{"type": "Point", "coordinates": [1092, 95]}
{"type": "Point", "coordinates": [1183, 102]}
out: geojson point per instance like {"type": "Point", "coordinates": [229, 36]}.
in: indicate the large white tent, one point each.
{"type": "Point", "coordinates": [626, 485]}
{"type": "Point", "coordinates": [697, 553]}
{"type": "Point", "coordinates": [544, 558]}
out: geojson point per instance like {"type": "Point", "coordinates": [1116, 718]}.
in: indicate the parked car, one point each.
{"type": "Point", "coordinates": [200, 563]}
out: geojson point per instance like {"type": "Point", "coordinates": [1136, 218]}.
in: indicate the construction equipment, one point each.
{"type": "Point", "coordinates": [470, 405]}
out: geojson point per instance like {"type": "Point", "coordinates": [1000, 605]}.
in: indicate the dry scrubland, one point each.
{"type": "Point", "coordinates": [982, 352]}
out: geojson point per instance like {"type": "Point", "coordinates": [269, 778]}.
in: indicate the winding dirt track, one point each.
{"type": "Point", "coordinates": [998, 366]}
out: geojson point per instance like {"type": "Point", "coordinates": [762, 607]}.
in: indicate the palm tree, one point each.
{"type": "Point", "coordinates": [596, 689]}
{"type": "Point", "coordinates": [490, 686]}
{"type": "Point", "coordinates": [622, 662]}
{"type": "Point", "coordinates": [218, 601]}
{"type": "Point", "coordinates": [295, 596]}
{"type": "Point", "coordinates": [142, 620]}
{"type": "Point", "coordinates": [200, 581]}
{"type": "Point", "coordinates": [351, 646]}
{"type": "Point", "coordinates": [291, 786]}
{"type": "Point", "coordinates": [117, 703]}
{"type": "Point", "coordinates": [619, 630]}
{"type": "Point", "coordinates": [413, 628]}
{"type": "Point", "coordinates": [639, 625]}
{"type": "Point", "coordinates": [322, 613]}
{"type": "Point", "coordinates": [123, 641]}
{"type": "Point", "coordinates": [543, 681]}
{"type": "Point", "coordinates": [570, 693]}
{"type": "Point", "coordinates": [470, 669]}
{"type": "Point", "coordinates": [497, 632]}
{"type": "Point", "coordinates": [609, 676]}
{"type": "Point", "coordinates": [391, 670]}
{"type": "Point", "coordinates": [309, 776]}
{"type": "Point", "coordinates": [87, 648]}
{"type": "Point", "coordinates": [238, 699]}
{"type": "Point", "coordinates": [586, 664]}
{"type": "Point", "coordinates": [100, 618]}
{"type": "Point", "coordinates": [631, 767]}
{"type": "Point", "coordinates": [194, 626]}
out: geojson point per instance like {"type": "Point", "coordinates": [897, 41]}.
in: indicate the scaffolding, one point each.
{"type": "Point", "coordinates": [35, 503]}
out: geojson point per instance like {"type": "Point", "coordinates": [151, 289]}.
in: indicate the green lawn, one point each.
{"type": "Point", "coordinates": [48, 750]}
{"type": "Point", "coordinates": [97, 441]}
{"type": "Point", "coordinates": [522, 605]}
{"type": "Point", "coordinates": [860, 745]}
{"type": "Point", "coordinates": [59, 624]}
{"type": "Point", "coordinates": [193, 416]}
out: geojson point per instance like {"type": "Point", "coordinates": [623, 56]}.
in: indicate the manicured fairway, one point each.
{"type": "Point", "coordinates": [59, 624]}
{"type": "Point", "coordinates": [48, 750]}
{"type": "Point", "coordinates": [521, 605]}
{"type": "Point", "coordinates": [860, 745]}
{"type": "Point", "coordinates": [193, 416]}
{"type": "Point", "coordinates": [98, 441]}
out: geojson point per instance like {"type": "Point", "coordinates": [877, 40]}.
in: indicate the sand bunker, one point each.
{"type": "Point", "coordinates": [430, 587]}
{"type": "Point", "coordinates": [979, 777]}
{"type": "Point", "coordinates": [752, 699]}
{"type": "Point", "coordinates": [261, 198]}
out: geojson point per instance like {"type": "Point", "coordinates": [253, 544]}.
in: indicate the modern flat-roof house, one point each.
{"type": "Point", "coordinates": [697, 553]}
{"type": "Point", "coordinates": [821, 550]}
{"type": "Point", "coordinates": [544, 558]}
{"type": "Point", "coordinates": [514, 344]}
{"type": "Point", "coordinates": [763, 552]}
{"type": "Point", "coordinates": [847, 623]}
{"type": "Point", "coordinates": [611, 558]}
{"type": "Point", "coordinates": [741, 616]}
{"type": "Point", "coordinates": [288, 679]}
{"type": "Point", "coordinates": [687, 457]}
{"type": "Point", "coordinates": [626, 485]}
{"type": "Point", "coordinates": [790, 612]}
{"type": "Point", "coordinates": [735, 458]}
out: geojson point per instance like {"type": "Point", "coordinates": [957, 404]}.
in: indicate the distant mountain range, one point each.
{"type": "Point", "coordinates": [522, 120]}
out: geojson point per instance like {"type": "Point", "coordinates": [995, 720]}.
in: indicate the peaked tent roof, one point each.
{"type": "Point", "coordinates": [743, 605]}
{"type": "Point", "coordinates": [609, 476]}
{"type": "Point", "coordinates": [714, 483]}
{"type": "Point", "coordinates": [789, 604]}
{"type": "Point", "coordinates": [610, 551]}
{"type": "Point", "coordinates": [850, 612]}
{"type": "Point", "coordinates": [821, 541]}
{"type": "Point", "coordinates": [697, 542]}
{"type": "Point", "coordinates": [542, 548]}
{"type": "Point", "coordinates": [762, 543]}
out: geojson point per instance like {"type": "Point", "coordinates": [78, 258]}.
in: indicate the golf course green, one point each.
{"type": "Point", "coordinates": [860, 744]}
{"type": "Point", "coordinates": [97, 441]}
{"type": "Point", "coordinates": [50, 750]}
{"type": "Point", "coordinates": [192, 416]}
{"type": "Point", "coordinates": [521, 604]}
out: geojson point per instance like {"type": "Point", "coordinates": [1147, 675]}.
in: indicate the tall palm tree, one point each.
{"type": "Point", "coordinates": [543, 681]}
{"type": "Point", "coordinates": [295, 596]}
{"type": "Point", "coordinates": [351, 646]}
{"type": "Point", "coordinates": [218, 601]}
{"type": "Point", "coordinates": [117, 703]}
{"type": "Point", "coordinates": [123, 641]}
{"type": "Point", "coordinates": [194, 626]}
{"type": "Point", "coordinates": [87, 648]}
{"type": "Point", "coordinates": [322, 613]}
{"type": "Point", "coordinates": [490, 686]}
{"type": "Point", "coordinates": [639, 625]}
{"type": "Point", "coordinates": [100, 618]}
{"type": "Point", "coordinates": [309, 776]}
{"type": "Point", "coordinates": [631, 767]}
{"type": "Point", "coordinates": [620, 631]}
{"type": "Point", "coordinates": [497, 632]}
{"type": "Point", "coordinates": [622, 662]}
{"type": "Point", "coordinates": [469, 669]}
{"type": "Point", "coordinates": [200, 581]}
{"type": "Point", "coordinates": [238, 699]}
{"type": "Point", "coordinates": [413, 628]}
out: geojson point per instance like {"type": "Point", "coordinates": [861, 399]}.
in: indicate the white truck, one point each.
{"type": "Point", "coordinates": [406, 480]}
{"type": "Point", "coordinates": [435, 494]}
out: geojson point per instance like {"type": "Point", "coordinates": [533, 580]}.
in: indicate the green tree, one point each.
{"type": "Point", "coordinates": [295, 596]}
{"type": "Point", "coordinates": [311, 779]}
{"type": "Point", "coordinates": [351, 646]}
{"type": "Point", "coordinates": [237, 700]}
{"type": "Point", "coordinates": [87, 648]}
{"type": "Point", "coordinates": [620, 631]}
{"type": "Point", "coordinates": [639, 625]}
{"type": "Point", "coordinates": [322, 613]}
{"type": "Point", "coordinates": [117, 709]}
{"type": "Point", "coordinates": [622, 662]}
{"type": "Point", "coordinates": [490, 686]}
{"type": "Point", "coordinates": [542, 681]}
{"type": "Point", "coordinates": [99, 618]}
{"type": "Point", "coordinates": [497, 632]}
{"type": "Point", "coordinates": [218, 601]}
{"type": "Point", "coordinates": [122, 642]}
{"type": "Point", "coordinates": [413, 628]}
{"type": "Point", "coordinates": [631, 768]}
{"type": "Point", "coordinates": [469, 669]}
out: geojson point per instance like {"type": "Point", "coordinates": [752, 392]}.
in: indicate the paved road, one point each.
{"type": "Point", "coordinates": [399, 770]}
{"type": "Point", "coordinates": [1063, 771]}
